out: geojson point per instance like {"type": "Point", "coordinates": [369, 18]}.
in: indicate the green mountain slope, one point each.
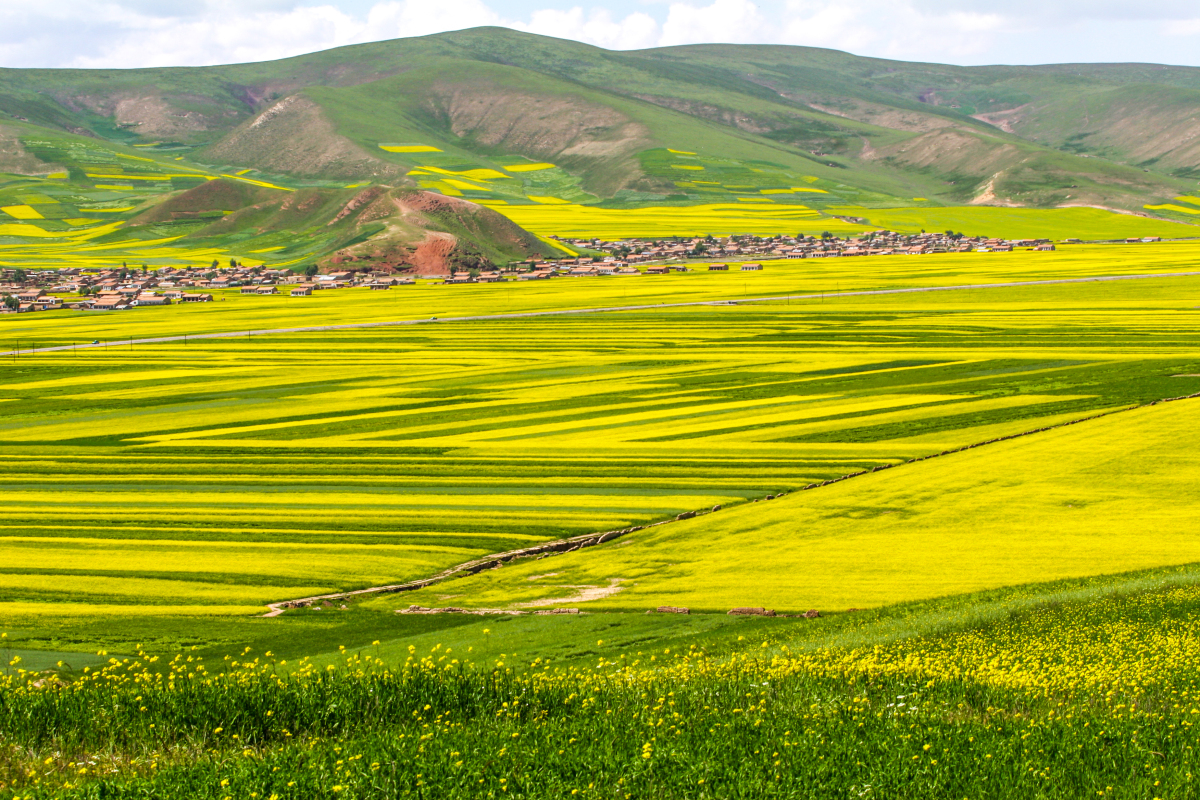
{"type": "Point", "coordinates": [87, 202]}
{"type": "Point", "coordinates": [501, 117]}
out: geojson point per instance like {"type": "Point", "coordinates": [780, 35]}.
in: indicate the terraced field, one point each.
{"type": "Point", "coordinates": [218, 475]}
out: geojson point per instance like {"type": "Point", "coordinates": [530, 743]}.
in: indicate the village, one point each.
{"type": "Point", "coordinates": [126, 287]}
{"type": "Point", "coordinates": [826, 245]}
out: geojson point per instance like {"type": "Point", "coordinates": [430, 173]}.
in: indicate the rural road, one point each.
{"type": "Point", "coordinates": [603, 310]}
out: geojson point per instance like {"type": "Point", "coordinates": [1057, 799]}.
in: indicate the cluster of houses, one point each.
{"type": "Point", "coordinates": [37, 299]}
{"type": "Point", "coordinates": [882, 242]}
{"type": "Point", "coordinates": [123, 288]}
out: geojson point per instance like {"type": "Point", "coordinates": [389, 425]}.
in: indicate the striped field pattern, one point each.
{"type": "Point", "coordinates": [223, 474]}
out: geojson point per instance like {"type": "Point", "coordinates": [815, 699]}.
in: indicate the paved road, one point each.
{"type": "Point", "coordinates": [606, 310]}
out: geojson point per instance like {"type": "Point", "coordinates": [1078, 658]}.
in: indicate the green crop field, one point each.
{"type": "Point", "coordinates": [158, 495]}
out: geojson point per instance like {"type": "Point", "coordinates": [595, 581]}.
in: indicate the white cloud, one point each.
{"type": "Point", "coordinates": [419, 18]}
{"type": "Point", "coordinates": [598, 27]}
{"type": "Point", "coordinates": [825, 25]}
{"type": "Point", "coordinates": [723, 21]}
{"type": "Point", "coordinates": [137, 33]}
{"type": "Point", "coordinates": [125, 38]}
{"type": "Point", "coordinates": [1183, 27]}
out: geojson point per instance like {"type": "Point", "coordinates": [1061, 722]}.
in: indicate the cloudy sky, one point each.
{"type": "Point", "coordinates": [139, 33]}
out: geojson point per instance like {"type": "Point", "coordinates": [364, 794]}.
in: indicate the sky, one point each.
{"type": "Point", "coordinates": [151, 33]}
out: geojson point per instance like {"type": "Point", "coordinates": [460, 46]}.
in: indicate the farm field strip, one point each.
{"type": "Point", "coordinates": [237, 316]}
{"type": "Point", "coordinates": [823, 296]}
{"type": "Point", "coordinates": [1105, 496]}
{"type": "Point", "coordinates": [375, 455]}
{"type": "Point", "coordinates": [768, 218]}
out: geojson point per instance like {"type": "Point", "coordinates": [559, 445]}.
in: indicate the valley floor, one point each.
{"type": "Point", "coordinates": [1029, 602]}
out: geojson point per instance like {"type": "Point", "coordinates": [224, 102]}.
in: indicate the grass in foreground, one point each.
{"type": "Point", "coordinates": [1086, 698]}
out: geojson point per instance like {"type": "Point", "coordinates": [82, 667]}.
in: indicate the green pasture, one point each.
{"type": "Point", "coordinates": [1047, 690]}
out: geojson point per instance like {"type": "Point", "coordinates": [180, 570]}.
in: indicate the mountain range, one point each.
{"type": "Point", "coordinates": [382, 145]}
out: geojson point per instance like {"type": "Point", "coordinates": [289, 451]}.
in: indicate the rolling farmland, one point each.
{"type": "Point", "coordinates": [217, 475]}
{"type": "Point", "coordinates": [1016, 598]}
{"type": "Point", "coordinates": [1106, 496]}
{"type": "Point", "coordinates": [813, 528]}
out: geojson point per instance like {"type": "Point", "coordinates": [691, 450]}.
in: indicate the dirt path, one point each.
{"type": "Point", "coordinates": [583, 593]}
{"type": "Point", "coordinates": [603, 310]}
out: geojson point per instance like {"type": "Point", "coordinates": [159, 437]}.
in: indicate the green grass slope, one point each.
{"type": "Point", "coordinates": [887, 131]}
{"type": "Point", "coordinates": [1132, 113]}
{"type": "Point", "coordinates": [88, 202]}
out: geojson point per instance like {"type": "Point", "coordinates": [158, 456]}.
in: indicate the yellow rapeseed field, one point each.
{"type": "Point", "coordinates": [263, 467]}
{"type": "Point", "coordinates": [1100, 497]}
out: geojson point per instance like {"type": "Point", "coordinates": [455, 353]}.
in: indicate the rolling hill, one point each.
{"type": "Point", "coordinates": [500, 118]}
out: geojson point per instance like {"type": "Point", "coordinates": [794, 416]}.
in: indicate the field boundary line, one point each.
{"type": "Point", "coordinates": [599, 310]}
{"type": "Point", "coordinates": [496, 560]}
{"type": "Point", "coordinates": [493, 561]}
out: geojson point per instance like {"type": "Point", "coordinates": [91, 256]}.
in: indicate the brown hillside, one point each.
{"type": "Point", "coordinates": [293, 137]}
{"type": "Point", "coordinates": [567, 129]}
{"type": "Point", "coordinates": [16, 160]}
{"type": "Point", "coordinates": [429, 233]}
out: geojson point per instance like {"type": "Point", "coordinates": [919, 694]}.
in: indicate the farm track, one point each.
{"type": "Point", "coordinates": [496, 560]}
{"type": "Point", "coordinates": [602, 310]}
